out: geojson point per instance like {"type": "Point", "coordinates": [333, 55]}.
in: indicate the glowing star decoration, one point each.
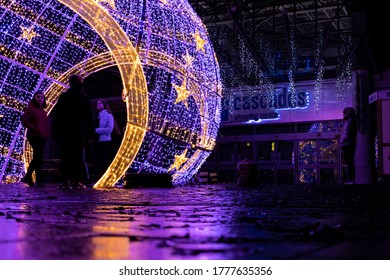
{"type": "Point", "coordinates": [199, 41]}
{"type": "Point", "coordinates": [28, 33]}
{"type": "Point", "coordinates": [179, 161]}
{"type": "Point", "coordinates": [111, 3]}
{"type": "Point", "coordinates": [188, 59]}
{"type": "Point", "coordinates": [182, 93]}
{"type": "Point", "coordinates": [165, 2]}
{"type": "Point", "coordinates": [87, 36]}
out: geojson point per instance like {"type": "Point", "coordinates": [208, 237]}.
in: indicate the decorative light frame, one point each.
{"type": "Point", "coordinates": [192, 81]}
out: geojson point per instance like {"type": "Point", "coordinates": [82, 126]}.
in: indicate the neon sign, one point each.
{"type": "Point", "coordinates": [281, 104]}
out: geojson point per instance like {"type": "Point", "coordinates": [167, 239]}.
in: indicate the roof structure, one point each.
{"type": "Point", "coordinates": [260, 40]}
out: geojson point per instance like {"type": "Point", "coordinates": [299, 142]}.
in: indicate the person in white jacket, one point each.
{"type": "Point", "coordinates": [104, 125]}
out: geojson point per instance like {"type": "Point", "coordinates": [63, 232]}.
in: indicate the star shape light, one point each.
{"type": "Point", "coordinates": [182, 93]}
{"type": "Point", "coordinates": [188, 59]}
{"type": "Point", "coordinates": [28, 33]}
{"type": "Point", "coordinates": [199, 41]}
{"type": "Point", "coordinates": [111, 3]}
{"type": "Point", "coordinates": [179, 160]}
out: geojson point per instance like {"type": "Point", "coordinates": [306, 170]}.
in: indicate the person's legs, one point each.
{"type": "Point", "coordinates": [38, 146]}
{"type": "Point", "coordinates": [101, 154]}
{"type": "Point", "coordinates": [351, 166]}
{"type": "Point", "coordinates": [349, 157]}
{"type": "Point", "coordinates": [38, 151]}
{"type": "Point", "coordinates": [96, 158]}
{"type": "Point", "coordinates": [28, 176]}
{"type": "Point", "coordinates": [85, 170]}
{"type": "Point", "coordinates": [66, 161]}
{"type": "Point", "coordinates": [77, 160]}
{"type": "Point", "coordinates": [104, 151]}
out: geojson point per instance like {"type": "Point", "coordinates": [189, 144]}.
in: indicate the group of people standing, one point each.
{"type": "Point", "coordinates": [74, 127]}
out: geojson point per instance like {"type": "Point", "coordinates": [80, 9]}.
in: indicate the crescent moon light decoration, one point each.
{"type": "Point", "coordinates": [169, 72]}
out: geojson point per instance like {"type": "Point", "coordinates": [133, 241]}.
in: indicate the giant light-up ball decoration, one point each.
{"type": "Point", "coordinates": [170, 76]}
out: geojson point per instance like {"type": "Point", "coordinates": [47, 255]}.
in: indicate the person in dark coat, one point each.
{"type": "Point", "coordinates": [348, 143]}
{"type": "Point", "coordinates": [73, 128]}
{"type": "Point", "coordinates": [36, 121]}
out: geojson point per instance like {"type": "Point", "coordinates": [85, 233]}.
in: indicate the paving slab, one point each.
{"type": "Point", "coordinates": [191, 222]}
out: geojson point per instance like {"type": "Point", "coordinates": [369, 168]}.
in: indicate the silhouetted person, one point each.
{"type": "Point", "coordinates": [247, 173]}
{"type": "Point", "coordinates": [35, 120]}
{"type": "Point", "coordinates": [348, 143]}
{"type": "Point", "coordinates": [73, 128]}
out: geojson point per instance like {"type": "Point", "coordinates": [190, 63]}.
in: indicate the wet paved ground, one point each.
{"type": "Point", "coordinates": [195, 222]}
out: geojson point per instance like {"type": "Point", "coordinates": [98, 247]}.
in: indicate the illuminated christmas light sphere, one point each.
{"type": "Point", "coordinates": [170, 77]}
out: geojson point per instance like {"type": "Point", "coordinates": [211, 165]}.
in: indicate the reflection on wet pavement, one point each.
{"type": "Point", "coordinates": [195, 222]}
